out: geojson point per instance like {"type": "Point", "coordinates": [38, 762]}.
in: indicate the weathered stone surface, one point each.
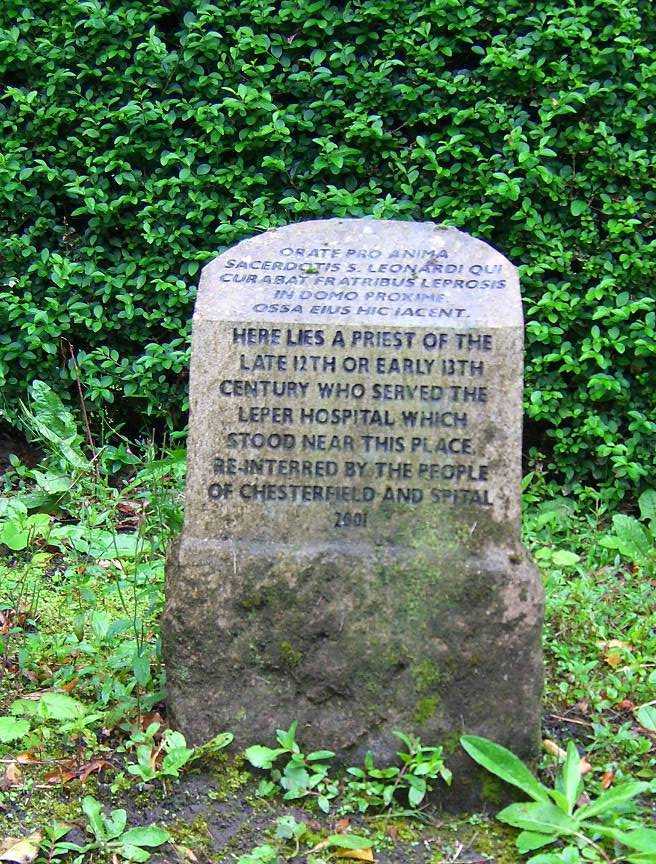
{"type": "Point", "coordinates": [351, 555]}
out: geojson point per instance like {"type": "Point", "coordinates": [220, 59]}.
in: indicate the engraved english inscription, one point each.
{"type": "Point", "coordinates": [352, 417]}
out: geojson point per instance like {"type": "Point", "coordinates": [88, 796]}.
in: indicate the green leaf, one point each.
{"type": "Point", "coordinates": [318, 755]}
{"type": "Point", "coordinates": [150, 836]}
{"type": "Point", "coordinates": [641, 839]}
{"type": "Point", "coordinates": [578, 207]}
{"type": "Point", "coordinates": [646, 717]}
{"type": "Point", "coordinates": [141, 669]}
{"type": "Point", "coordinates": [287, 738]}
{"type": "Point", "coordinates": [14, 536]}
{"type": "Point", "coordinates": [502, 762]}
{"type": "Point", "coordinates": [12, 729]}
{"type": "Point", "coordinates": [61, 706]}
{"type": "Point", "coordinates": [263, 757]}
{"type": "Point", "coordinates": [175, 760]}
{"type": "Point", "coordinates": [569, 855]}
{"type": "Point", "coordinates": [266, 854]}
{"type": "Point", "coordinates": [349, 841]}
{"type": "Point", "coordinates": [647, 504]}
{"type": "Point", "coordinates": [133, 853]}
{"type": "Point", "coordinates": [527, 841]}
{"type": "Point", "coordinates": [633, 540]}
{"type": "Point", "coordinates": [539, 817]}
{"type": "Point", "coordinates": [571, 777]}
{"type": "Point", "coordinates": [611, 799]}
{"type": "Point", "coordinates": [564, 558]}
{"type": "Point", "coordinates": [92, 809]}
{"type": "Point", "coordinates": [115, 823]}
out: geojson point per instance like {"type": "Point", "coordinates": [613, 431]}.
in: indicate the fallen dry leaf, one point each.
{"type": "Point", "coordinates": [27, 758]}
{"type": "Point", "coordinates": [553, 748]}
{"type": "Point", "coordinates": [185, 854]}
{"type": "Point", "coordinates": [586, 767]}
{"type": "Point", "coordinates": [21, 850]}
{"type": "Point", "coordinates": [69, 770]}
{"type": "Point", "coordinates": [341, 825]}
{"type": "Point", "coordinates": [13, 776]}
{"type": "Point", "coordinates": [153, 717]}
{"type": "Point", "coordinates": [130, 508]}
{"type": "Point", "coordinates": [356, 854]}
{"type": "Point", "coordinates": [612, 651]}
{"type": "Point", "coordinates": [68, 688]}
{"type": "Point", "coordinates": [607, 779]}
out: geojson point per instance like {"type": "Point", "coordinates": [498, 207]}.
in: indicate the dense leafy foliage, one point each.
{"type": "Point", "coordinates": [141, 138]}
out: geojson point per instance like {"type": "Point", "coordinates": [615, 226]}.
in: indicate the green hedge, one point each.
{"type": "Point", "coordinates": [140, 139]}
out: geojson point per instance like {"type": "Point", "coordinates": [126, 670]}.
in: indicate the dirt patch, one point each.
{"type": "Point", "coordinates": [219, 827]}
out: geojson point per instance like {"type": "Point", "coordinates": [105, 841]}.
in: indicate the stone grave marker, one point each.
{"type": "Point", "coordinates": [351, 552]}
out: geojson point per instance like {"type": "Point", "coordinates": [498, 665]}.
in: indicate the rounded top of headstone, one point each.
{"type": "Point", "coordinates": [362, 271]}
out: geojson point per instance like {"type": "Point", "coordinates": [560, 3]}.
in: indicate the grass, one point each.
{"type": "Point", "coordinates": [81, 592]}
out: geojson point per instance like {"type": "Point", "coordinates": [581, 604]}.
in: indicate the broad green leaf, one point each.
{"type": "Point", "coordinates": [219, 742]}
{"type": "Point", "coordinates": [175, 760]}
{"type": "Point", "coordinates": [141, 669]}
{"type": "Point", "coordinates": [646, 717]}
{"type": "Point", "coordinates": [263, 757]}
{"type": "Point", "coordinates": [578, 207]}
{"type": "Point", "coordinates": [319, 755]}
{"type": "Point", "coordinates": [174, 740]}
{"type": "Point", "coordinates": [61, 706]}
{"type": "Point", "coordinates": [539, 817]}
{"type": "Point", "coordinates": [612, 798]}
{"type": "Point", "coordinates": [115, 823]}
{"type": "Point", "coordinates": [647, 504]}
{"type": "Point", "coordinates": [528, 841]}
{"type": "Point", "coordinates": [564, 558]}
{"type": "Point", "coordinates": [571, 776]}
{"type": "Point", "coordinates": [12, 729]}
{"type": "Point", "coordinates": [558, 798]}
{"type": "Point", "coordinates": [633, 540]}
{"type": "Point", "coordinates": [349, 841]}
{"type": "Point", "coordinates": [287, 738]}
{"type": "Point", "coordinates": [266, 854]}
{"type": "Point", "coordinates": [641, 839]}
{"type": "Point", "coordinates": [149, 836]}
{"type": "Point", "coordinates": [133, 853]}
{"type": "Point", "coordinates": [92, 809]}
{"type": "Point", "coordinates": [569, 855]}
{"type": "Point", "coordinates": [14, 536]}
{"type": "Point", "coordinates": [502, 762]}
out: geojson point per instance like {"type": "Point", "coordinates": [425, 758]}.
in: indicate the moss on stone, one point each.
{"type": "Point", "coordinates": [492, 788]}
{"type": "Point", "coordinates": [289, 656]}
{"type": "Point", "coordinates": [194, 835]}
{"type": "Point", "coordinates": [425, 709]}
{"type": "Point", "coordinates": [230, 776]}
{"type": "Point", "coordinates": [426, 675]}
{"type": "Point", "coordinates": [450, 743]}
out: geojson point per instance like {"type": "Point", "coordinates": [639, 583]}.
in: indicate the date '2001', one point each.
{"type": "Point", "coordinates": [350, 520]}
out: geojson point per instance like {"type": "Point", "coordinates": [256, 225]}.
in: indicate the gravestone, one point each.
{"type": "Point", "coordinates": [351, 552]}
